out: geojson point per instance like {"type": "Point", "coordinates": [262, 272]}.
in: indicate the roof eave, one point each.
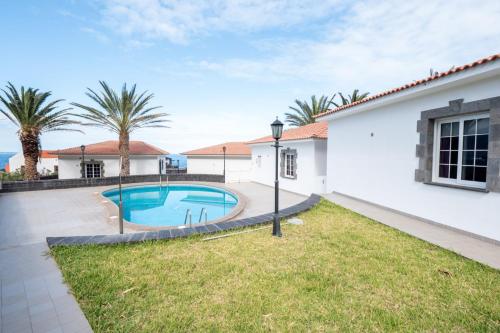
{"type": "Point", "coordinates": [217, 155]}
{"type": "Point", "coordinates": [457, 79]}
{"type": "Point", "coordinates": [291, 140]}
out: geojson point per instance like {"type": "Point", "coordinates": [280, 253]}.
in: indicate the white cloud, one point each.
{"type": "Point", "coordinates": [377, 44]}
{"type": "Point", "coordinates": [97, 34]}
{"type": "Point", "coordinates": [179, 20]}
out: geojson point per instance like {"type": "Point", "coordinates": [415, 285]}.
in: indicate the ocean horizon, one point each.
{"type": "Point", "coordinates": [4, 158]}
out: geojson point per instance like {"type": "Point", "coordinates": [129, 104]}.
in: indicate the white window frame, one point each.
{"type": "Point", "coordinates": [258, 161]}
{"type": "Point", "coordinates": [436, 155]}
{"type": "Point", "coordinates": [93, 170]}
{"type": "Point", "coordinates": [291, 167]}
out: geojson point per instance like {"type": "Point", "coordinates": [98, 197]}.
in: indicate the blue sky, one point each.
{"type": "Point", "coordinates": [225, 69]}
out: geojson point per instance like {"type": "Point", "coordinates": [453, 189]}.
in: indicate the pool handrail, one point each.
{"type": "Point", "coordinates": [188, 214]}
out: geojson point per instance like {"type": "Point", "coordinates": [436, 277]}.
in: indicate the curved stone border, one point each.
{"type": "Point", "coordinates": [113, 208]}
{"type": "Point", "coordinates": [185, 232]}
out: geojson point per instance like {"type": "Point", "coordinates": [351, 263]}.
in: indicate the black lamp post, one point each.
{"type": "Point", "coordinates": [224, 153]}
{"type": "Point", "coordinates": [120, 204]}
{"type": "Point", "coordinates": [82, 148]}
{"type": "Point", "coordinates": [277, 130]}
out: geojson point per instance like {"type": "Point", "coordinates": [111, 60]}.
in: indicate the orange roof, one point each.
{"type": "Point", "coordinates": [414, 84]}
{"type": "Point", "coordinates": [317, 130]}
{"type": "Point", "coordinates": [111, 148]}
{"type": "Point", "coordinates": [48, 154]}
{"type": "Point", "coordinates": [7, 167]}
{"type": "Point", "coordinates": [232, 148]}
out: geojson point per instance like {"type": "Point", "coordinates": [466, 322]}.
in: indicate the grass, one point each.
{"type": "Point", "coordinates": [337, 272]}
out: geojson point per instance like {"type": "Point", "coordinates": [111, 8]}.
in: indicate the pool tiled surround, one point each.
{"type": "Point", "coordinates": [184, 232]}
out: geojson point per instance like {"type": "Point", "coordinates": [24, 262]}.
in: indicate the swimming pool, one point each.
{"type": "Point", "coordinates": [156, 206]}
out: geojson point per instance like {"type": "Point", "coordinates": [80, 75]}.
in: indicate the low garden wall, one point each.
{"type": "Point", "coordinates": [51, 184]}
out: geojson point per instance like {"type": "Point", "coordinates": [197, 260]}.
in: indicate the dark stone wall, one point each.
{"type": "Point", "coordinates": [425, 127]}
{"type": "Point", "coordinates": [37, 185]}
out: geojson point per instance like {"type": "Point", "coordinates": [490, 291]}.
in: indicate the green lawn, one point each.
{"type": "Point", "coordinates": [337, 272]}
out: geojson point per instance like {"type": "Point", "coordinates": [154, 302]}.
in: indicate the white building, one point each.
{"type": "Point", "coordinates": [103, 160]}
{"type": "Point", "coordinates": [430, 148]}
{"type": "Point", "coordinates": [47, 163]}
{"type": "Point", "coordinates": [210, 160]}
{"type": "Point", "coordinates": [302, 159]}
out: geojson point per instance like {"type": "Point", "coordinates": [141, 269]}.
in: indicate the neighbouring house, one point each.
{"type": "Point", "coordinates": [47, 163]}
{"type": "Point", "coordinates": [430, 148]}
{"type": "Point", "coordinates": [302, 159]}
{"type": "Point", "coordinates": [103, 160]}
{"type": "Point", "coordinates": [210, 160]}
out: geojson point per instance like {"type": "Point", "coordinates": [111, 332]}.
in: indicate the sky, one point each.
{"type": "Point", "coordinates": [225, 69]}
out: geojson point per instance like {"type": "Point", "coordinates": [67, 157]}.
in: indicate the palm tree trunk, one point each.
{"type": "Point", "coordinates": [123, 145]}
{"type": "Point", "coordinates": [30, 144]}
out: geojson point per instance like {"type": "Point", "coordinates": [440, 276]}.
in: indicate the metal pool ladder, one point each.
{"type": "Point", "coordinates": [188, 216]}
{"type": "Point", "coordinates": [201, 215]}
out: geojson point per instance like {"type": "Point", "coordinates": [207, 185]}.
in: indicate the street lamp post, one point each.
{"type": "Point", "coordinates": [120, 205]}
{"type": "Point", "coordinates": [277, 130]}
{"type": "Point", "coordinates": [82, 148]}
{"type": "Point", "coordinates": [224, 153]}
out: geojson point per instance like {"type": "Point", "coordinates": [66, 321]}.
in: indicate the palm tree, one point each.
{"type": "Point", "coordinates": [355, 97]}
{"type": "Point", "coordinates": [26, 109]}
{"type": "Point", "coordinates": [305, 113]}
{"type": "Point", "coordinates": [121, 114]}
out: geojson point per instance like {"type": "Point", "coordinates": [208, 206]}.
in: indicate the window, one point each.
{"type": "Point", "coordinates": [461, 153]}
{"type": "Point", "coordinates": [290, 165]}
{"type": "Point", "coordinates": [93, 170]}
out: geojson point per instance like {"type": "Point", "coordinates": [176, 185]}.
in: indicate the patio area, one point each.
{"type": "Point", "coordinates": [34, 298]}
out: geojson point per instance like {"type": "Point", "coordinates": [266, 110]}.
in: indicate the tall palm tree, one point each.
{"type": "Point", "coordinates": [121, 113]}
{"type": "Point", "coordinates": [26, 109]}
{"type": "Point", "coordinates": [355, 97]}
{"type": "Point", "coordinates": [304, 113]}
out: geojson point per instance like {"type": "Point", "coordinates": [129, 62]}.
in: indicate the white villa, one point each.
{"type": "Point", "coordinates": [210, 160]}
{"type": "Point", "coordinates": [430, 149]}
{"type": "Point", "coordinates": [302, 159]}
{"type": "Point", "coordinates": [47, 163]}
{"type": "Point", "coordinates": [103, 160]}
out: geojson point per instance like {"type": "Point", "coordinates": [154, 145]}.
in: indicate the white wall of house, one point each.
{"type": "Point", "coordinates": [381, 168]}
{"type": "Point", "coordinates": [69, 166]}
{"type": "Point", "coordinates": [45, 165]}
{"type": "Point", "coordinates": [311, 166]}
{"type": "Point", "coordinates": [238, 169]}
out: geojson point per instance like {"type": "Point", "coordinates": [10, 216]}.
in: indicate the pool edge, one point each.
{"type": "Point", "coordinates": [112, 208]}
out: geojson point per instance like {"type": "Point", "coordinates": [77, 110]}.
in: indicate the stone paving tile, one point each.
{"type": "Point", "coordinates": [33, 292]}
{"type": "Point", "coordinates": [31, 286]}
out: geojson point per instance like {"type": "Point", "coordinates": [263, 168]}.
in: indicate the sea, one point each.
{"type": "Point", "coordinates": [177, 158]}
{"type": "Point", "coordinates": [181, 159]}
{"type": "Point", "coordinates": [4, 159]}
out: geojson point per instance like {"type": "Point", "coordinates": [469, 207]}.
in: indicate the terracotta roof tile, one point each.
{"type": "Point", "coordinates": [111, 148]}
{"type": "Point", "coordinates": [414, 84]}
{"type": "Point", "coordinates": [48, 154]}
{"type": "Point", "coordinates": [317, 130]}
{"type": "Point", "coordinates": [232, 148]}
{"type": "Point", "coordinates": [7, 167]}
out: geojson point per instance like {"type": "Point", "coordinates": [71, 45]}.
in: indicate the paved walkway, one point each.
{"type": "Point", "coordinates": [33, 296]}
{"type": "Point", "coordinates": [465, 245]}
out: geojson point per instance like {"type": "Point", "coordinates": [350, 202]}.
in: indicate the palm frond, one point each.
{"type": "Point", "coordinates": [120, 113]}
{"type": "Point", "coordinates": [29, 110]}
{"type": "Point", "coordinates": [305, 112]}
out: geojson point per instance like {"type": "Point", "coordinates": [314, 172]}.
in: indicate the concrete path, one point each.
{"type": "Point", "coordinates": [33, 296]}
{"type": "Point", "coordinates": [470, 247]}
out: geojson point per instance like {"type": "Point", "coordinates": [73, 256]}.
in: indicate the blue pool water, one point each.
{"type": "Point", "coordinates": [166, 206]}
